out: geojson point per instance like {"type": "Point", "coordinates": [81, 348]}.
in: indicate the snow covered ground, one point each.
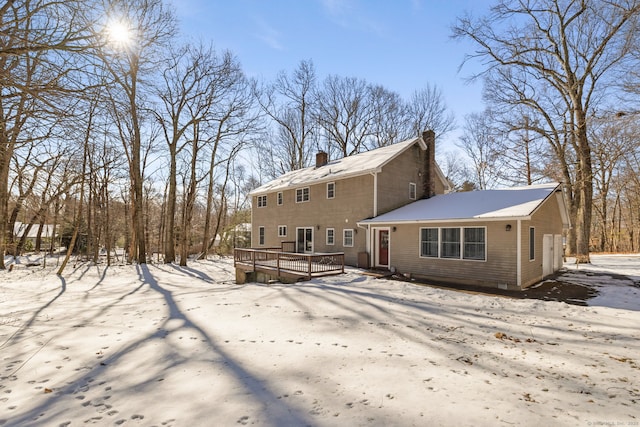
{"type": "Point", "coordinates": [163, 345]}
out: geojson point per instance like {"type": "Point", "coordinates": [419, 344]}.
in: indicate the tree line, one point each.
{"type": "Point", "coordinates": [119, 133]}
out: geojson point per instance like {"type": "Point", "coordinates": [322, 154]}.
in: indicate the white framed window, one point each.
{"type": "Point", "coordinates": [347, 237]}
{"type": "Point", "coordinates": [331, 190]}
{"type": "Point", "coordinates": [262, 201]}
{"type": "Point", "coordinates": [475, 243]}
{"type": "Point", "coordinates": [331, 236]}
{"type": "Point", "coordinates": [261, 236]}
{"type": "Point", "coordinates": [412, 190]}
{"type": "Point", "coordinates": [469, 243]}
{"type": "Point", "coordinates": [279, 198]}
{"type": "Point", "coordinates": [282, 231]}
{"type": "Point", "coordinates": [532, 243]}
{"type": "Point", "coordinates": [302, 195]}
{"type": "Point", "coordinates": [450, 243]}
{"type": "Point", "coordinates": [429, 242]}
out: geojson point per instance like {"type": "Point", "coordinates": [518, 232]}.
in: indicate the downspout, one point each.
{"type": "Point", "coordinates": [519, 254]}
{"type": "Point", "coordinates": [375, 214]}
{"type": "Point", "coordinates": [375, 194]}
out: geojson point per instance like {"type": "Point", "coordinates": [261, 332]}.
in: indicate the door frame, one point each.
{"type": "Point", "coordinates": [376, 246]}
{"type": "Point", "coordinates": [304, 249]}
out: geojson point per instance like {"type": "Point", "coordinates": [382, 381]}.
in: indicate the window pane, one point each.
{"type": "Point", "coordinates": [532, 243]}
{"type": "Point", "coordinates": [450, 245]}
{"type": "Point", "coordinates": [429, 242]}
{"type": "Point", "coordinates": [348, 238]}
{"type": "Point", "coordinates": [474, 243]}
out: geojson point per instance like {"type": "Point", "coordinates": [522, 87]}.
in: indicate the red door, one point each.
{"type": "Point", "coordinates": [383, 247]}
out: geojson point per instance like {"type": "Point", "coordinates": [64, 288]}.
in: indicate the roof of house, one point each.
{"type": "Point", "coordinates": [516, 202]}
{"type": "Point", "coordinates": [19, 228]}
{"type": "Point", "coordinates": [356, 165]}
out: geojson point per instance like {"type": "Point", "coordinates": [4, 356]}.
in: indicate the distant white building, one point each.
{"type": "Point", "coordinates": [19, 228]}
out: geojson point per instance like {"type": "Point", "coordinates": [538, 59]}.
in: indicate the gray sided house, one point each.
{"type": "Point", "coordinates": [509, 238]}
{"type": "Point", "coordinates": [317, 209]}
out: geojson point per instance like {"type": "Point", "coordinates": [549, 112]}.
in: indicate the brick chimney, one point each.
{"type": "Point", "coordinates": [322, 158]}
{"type": "Point", "coordinates": [429, 181]}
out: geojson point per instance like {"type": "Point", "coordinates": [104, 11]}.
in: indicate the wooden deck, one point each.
{"type": "Point", "coordinates": [289, 265]}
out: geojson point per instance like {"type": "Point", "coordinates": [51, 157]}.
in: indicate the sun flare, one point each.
{"type": "Point", "coordinates": [119, 33]}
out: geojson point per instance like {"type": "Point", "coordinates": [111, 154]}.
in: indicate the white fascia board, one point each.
{"type": "Point", "coordinates": [448, 221]}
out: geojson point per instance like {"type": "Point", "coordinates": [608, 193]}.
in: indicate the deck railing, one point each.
{"type": "Point", "coordinates": [276, 261]}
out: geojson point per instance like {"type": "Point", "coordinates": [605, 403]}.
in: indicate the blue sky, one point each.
{"type": "Point", "coordinates": [401, 44]}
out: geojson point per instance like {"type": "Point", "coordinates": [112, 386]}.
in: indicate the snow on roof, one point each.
{"type": "Point", "coordinates": [19, 229]}
{"type": "Point", "coordinates": [359, 164]}
{"type": "Point", "coordinates": [484, 204]}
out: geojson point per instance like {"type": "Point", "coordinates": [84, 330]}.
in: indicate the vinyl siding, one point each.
{"type": "Point", "coordinates": [353, 201]}
{"type": "Point", "coordinates": [393, 181]}
{"type": "Point", "coordinates": [546, 220]}
{"type": "Point", "coordinates": [500, 266]}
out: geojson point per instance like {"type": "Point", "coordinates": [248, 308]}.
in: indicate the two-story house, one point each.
{"type": "Point", "coordinates": [389, 208]}
{"type": "Point", "coordinates": [319, 207]}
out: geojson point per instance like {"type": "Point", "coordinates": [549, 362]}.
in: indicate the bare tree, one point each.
{"type": "Point", "coordinates": [150, 27]}
{"type": "Point", "coordinates": [567, 48]}
{"type": "Point", "coordinates": [344, 112]}
{"type": "Point", "coordinates": [482, 143]}
{"type": "Point", "coordinates": [426, 109]}
{"type": "Point", "coordinates": [289, 103]}
{"type": "Point", "coordinates": [39, 37]}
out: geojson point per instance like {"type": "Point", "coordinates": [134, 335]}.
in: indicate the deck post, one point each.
{"type": "Point", "coordinates": [278, 264]}
{"type": "Point", "coordinates": [309, 258]}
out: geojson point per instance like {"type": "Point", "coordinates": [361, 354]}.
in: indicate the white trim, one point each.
{"type": "Point", "coordinates": [461, 242]}
{"type": "Point", "coordinates": [534, 243]}
{"type": "Point", "coordinates": [305, 240]}
{"type": "Point", "coordinates": [301, 189]}
{"type": "Point", "coordinates": [326, 236]}
{"type": "Point", "coordinates": [334, 190]}
{"type": "Point", "coordinates": [376, 247]}
{"type": "Point", "coordinates": [519, 254]}
{"type": "Point", "coordinates": [353, 237]}
{"type": "Point", "coordinates": [375, 195]}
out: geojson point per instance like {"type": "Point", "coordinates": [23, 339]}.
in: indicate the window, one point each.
{"type": "Point", "coordinates": [261, 236]}
{"type": "Point", "coordinates": [450, 243]}
{"type": "Point", "coordinates": [472, 240]}
{"type": "Point", "coordinates": [429, 242]}
{"type": "Point", "coordinates": [532, 243]}
{"type": "Point", "coordinates": [282, 231]}
{"type": "Point", "coordinates": [262, 201]}
{"type": "Point", "coordinates": [412, 190]}
{"type": "Point", "coordinates": [331, 236]}
{"type": "Point", "coordinates": [474, 243]}
{"type": "Point", "coordinates": [331, 190]}
{"type": "Point", "coordinates": [347, 238]}
{"type": "Point", "coordinates": [279, 198]}
{"type": "Point", "coordinates": [302, 195]}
